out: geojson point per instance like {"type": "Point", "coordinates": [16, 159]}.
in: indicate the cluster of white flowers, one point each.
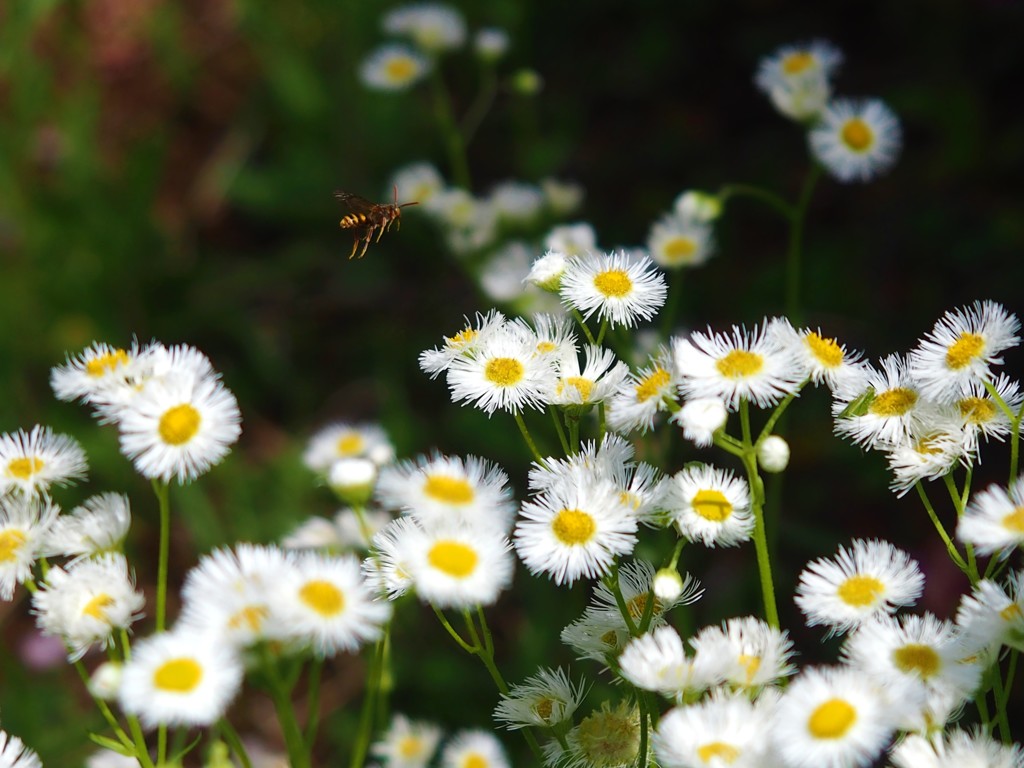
{"type": "Point", "coordinates": [854, 139]}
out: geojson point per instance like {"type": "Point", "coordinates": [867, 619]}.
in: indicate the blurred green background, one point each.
{"type": "Point", "coordinates": [166, 172]}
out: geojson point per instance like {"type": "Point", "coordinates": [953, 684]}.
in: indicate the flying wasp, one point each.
{"type": "Point", "coordinates": [367, 218]}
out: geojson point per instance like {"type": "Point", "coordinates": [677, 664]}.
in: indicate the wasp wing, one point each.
{"type": "Point", "coordinates": [355, 203]}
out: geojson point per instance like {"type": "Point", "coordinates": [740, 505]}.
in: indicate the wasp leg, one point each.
{"type": "Point", "coordinates": [366, 244]}
{"type": "Point", "coordinates": [381, 229]}
{"type": "Point", "coordinates": [355, 244]}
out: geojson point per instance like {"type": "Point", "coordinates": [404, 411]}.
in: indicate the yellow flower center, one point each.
{"type": "Point", "coordinates": [717, 750]}
{"type": "Point", "coordinates": [613, 283]}
{"type": "Point", "coordinates": [832, 719]}
{"type": "Point", "coordinates": [679, 249]}
{"type": "Point", "coordinates": [410, 747]}
{"type": "Point", "coordinates": [915, 657]}
{"type": "Point", "coordinates": [251, 617]}
{"type": "Point", "coordinates": [179, 424]}
{"type": "Point", "coordinates": [857, 134]}
{"type": "Point", "coordinates": [544, 708]}
{"type": "Point", "coordinates": [323, 597]}
{"type": "Point", "coordinates": [573, 526]}
{"type": "Point", "coordinates": [652, 385]}
{"type": "Point", "coordinates": [585, 387]}
{"type": "Point", "coordinates": [797, 62]}
{"type": "Point", "coordinates": [462, 338]}
{"type": "Point", "coordinates": [609, 737]}
{"type": "Point", "coordinates": [1014, 521]}
{"type": "Point", "coordinates": [97, 607]}
{"type": "Point", "coordinates": [930, 445]}
{"type": "Point", "coordinates": [546, 347]}
{"type": "Point", "coordinates": [400, 69]}
{"type": "Point", "coordinates": [976, 410]}
{"type": "Point", "coordinates": [106, 362]}
{"type": "Point", "coordinates": [712, 505]}
{"type": "Point", "coordinates": [453, 558]}
{"type": "Point", "coordinates": [739, 363]}
{"type": "Point", "coordinates": [24, 467]}
{"type": "Point", "coordinates": [178, 675]}
{"type": "Point", "coordinates": [1012, 612]}
{"type": "Point", "coordinates": [751, 664]}
{"type": "Point", "coordinates": [860, 591]}
{"type": "Point", "coordinates": [504, 371]}
{"type": "Point", "coordinates": [349, 444]}
{"type": "Point", "coordinates": [449, 490]}
{"type": "Point", "coordinates": [474, 760]}
{"type": "Point", "coordinates": [964, 350]}
{"type": "Point", "coordinates": [893, 402]}
{"type": "Point", "coordinates": [825, 351]}
{"type": "Point", "coordinates": [11, 540]}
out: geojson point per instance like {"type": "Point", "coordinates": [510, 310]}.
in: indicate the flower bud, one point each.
{"type": "Point", "coordinates": [773, 454]}
{"type": "Point", "coordinates": [105, 681]}
{"type": "Point", "coordinates": [527, 82]}
{"type": "Point", "coordinates": [546, 272]}
{"type": "Point", "coordinates": [699, 206]}
{"type": "Point", "coordinates": [668, 584]}
{"type": "Point", "coordinates": [353, 480]}
{"type": "Point", "coordinates": [701, 418]}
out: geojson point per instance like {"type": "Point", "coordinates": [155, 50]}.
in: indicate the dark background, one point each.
{"type": "Point", "coordinates": [166, 172]}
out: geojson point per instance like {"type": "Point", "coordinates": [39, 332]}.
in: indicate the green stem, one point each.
{"type": "Point", "coordinates": [104, 708]}
{"type": "Point", "coordinates": [162, 489]}
{"type": "Point", "coordinates": [611, 580]}
{"type": "Point", "coordinates": [298, 756]}
{"type": "Point", "coordinates": [999, 696]}
{"type": "Point", "coordinates": [668, 312]}
{"type": "Point", "coordinates": [526, 436]}
{"type": "Point", "coordinates": [316, 667]}
{"type": "Point", "coordinates": [454, 144]}
{"type": "Point", "coordinates": [795, 251]}
{"type": "Point", "coordinates": [559, 429]}
{"type": "Point", "coordinates": [777, 413]}
{"type": "Point", "coordinates": [760, 535]}
{"type": "Point", "coordinates": [481, 104]}
{"type": "Point", "coordinates": [230, 736]}
{"type": "Point", "coordinates": [959, 499]}
{"type": "Point", "coordinates": [1015, 420]}
{"type": "Point", "coordinates": [641, 758]}
{"type": "Point", "coordinates": [756, 193]}
{"type": "Point", "coordinates": [940, 529]}
{"type": "Point", "coordinates": [365, 734]}
{"type": "Point", "coordinates": [583, 326]}
{"type": "Point", "coordinates": [452, 631]}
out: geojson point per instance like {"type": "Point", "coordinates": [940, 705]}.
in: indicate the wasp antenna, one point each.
{"type": "Point", "coordinates": [415, 202]}
{"type": "Point", "coordinates": [395, 189]}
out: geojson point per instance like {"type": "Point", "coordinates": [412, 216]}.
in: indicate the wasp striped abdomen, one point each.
{"type": "Point", "coordinates": [367, 218]}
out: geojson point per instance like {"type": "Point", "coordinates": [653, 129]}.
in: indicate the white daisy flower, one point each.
{"type": "Point", "coordinates": [505, 373]}
{"type": "Point", "coordinates": [700, 419]}
{"type": "Point", "coordinates": [465, 343]}
{"type": "Point", "coordinates": [393, 67]}
{"type": "Point", "coordinates": [856, 140]}
{"type": "Point", "coordinates": [657, 661]}
{"type": "Point", "coordinates": [962, 348]}
{"type": "Point", "coordinates": [753, 366]}
{"type": "Point", "coordinates": [322, 601]}
{"type": "Point", "coordinates": [709, 505]}
{"type": "Point", "coordinates": [933, 451]}
{"type": "Point", "coordinates": [84, 604]}
{"type": "Point", "coordinates": [474, 749]}
{"type": "Point", "coordinates": [457, 566]}
{"type": "Point", "coordinates": [797, 78]}
{"type": "Point", "coordinates": [596, 635]}
{"type": "Point", "coordinates": [434, 27]}
{"type": "Point", "coordinates": [678, 241]}
{"type": "Point", "coordinates": [14, 753]}
{"type": "Point", "coordinates": [868, 579]}
{"type": "Point", "coordinates": [99, 525]}
{"type": "Point", "coordinates": [745, 652]}
{"type": "Point", "coordinates": [226, 593]}
{"type": "Point", "coordinates": [981, 416]}
{"type": "Point", "coordinates": [407, 743]}
{"type": "Point", "coordinates": [100, 374]}
{"type": "Point", "coordinates": [344, 440]}
{"type": "Point", "coordinates": [823, 359]}
{"type": "Point", "coordinates": [472, 491]}
{"type": "Point", "coordinates": [992, 615]}
{"type": "Point", "coordinates": [915, 652]}
{"type": "Point", "coordinates": [601, 376]}
{"type": "Point", "coordinates": [636, 584]}
{"type": "Point", "coordinates": [30, 462]}
{"type": "Point", "coordinates": [544, 700]}
{"type": "Point", "coordinates": [955, 749]}
{"type": "Point", "coordinates": [572, 531]}
{"type": "Point", "coordinates": [516, 202]}
{"type": "Point", "coordinates": [620, 288]}
{"type": "Point", "coordinates": [387, 569]}
{"type": "Point", "coordinates": [721, 730]}
{"type": "Point", "coordinates": [896, 408]}
{"type": "Point", "coordinates": [832, 718]}
{"type": "Point", "coordinates": [417, 181]}
{"type": "Point", "coordinates": [644, 395]}
{"type": "Point", "coordinates": [24, 526]}
{"type": "Point", "coordinates": [571, 239]}
{"type": "Point", "coordinates": [178, 427]}
{"type": "Point", "coordinates": [994, 519]}
{"type": "Point", "coordinates": [179, 678]}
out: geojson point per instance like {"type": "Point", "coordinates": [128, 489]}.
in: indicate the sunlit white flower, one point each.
{"type": "Point", "coordinates": [955, 749]}
{"type": "Point", "coordinates": [645, 394]}
{"type": "Point", "coordinates": [617, 287]}
{"type": "Point", "coordinates": [544, 700]}
{"type": "Point", "coordinates": [797, 78]}
{"type": "Point", "coordinates": [179, 678]}
{"type": "Point", "coordinates": [99, 525]}
{"type": "Point", "coordinates": [720, 730]}
{"type": "Point", "coordinates": [744, 652]}
{"type": "Point", "coordinates": [868, 579]}
{"type": "Point", "coordinates": [571, 531]}
{"type": "Point", "coordinates": [100, 374]}
{"type": "Point", "coordinates": [432, 26]}
{"type": "Point", "coordinates": [417, 181]}
{"type": "Point", "coordinates": [856, 140]}
{"type": "Point", "coordinates": [466, 343]}
{"type": "Point", "coordinates": [323, 602]}
{"type": "Point", "coordinates": [516, 202]}
{"type": "Point", "coordinates": [571, 239]}
{"type": "Point", "coordinates": [393, 67]}
{"type": "Point", "coordinates": [387, 569]}
{"type": "Point", "coordinates": [453, 565]}
{"type": "Point", "coordinates": [894, 411]}
{"type": "Point", "coordinates": [709, 505]}
{"type": "Point", "coordinates": [962, 348]}
{"type": "Point", "coordinates": [657, 661]}
{"type": "Point", "coordinates": [14, 753]}
{"type": "Point", "coordinates": [832, 718]}
{"type": "Point", "coordinates": [474, 749]}
{"type": "Point", "coordinates": [980, 414]}
{"type": "Point", "coordinates": [30, 462]}
{"type": "Point", "coordinates": [86, 603]}
{"type": "Point", "coordinates": [597, 635]}
{"type": "Point", "coordinates": [344, 440]}
{"type": "Point", "coordinates": [178, 427]}
{"type": "Point", "coordinates": [994, 520]}
{"type": "Point", "coordinates": [24, 525]}
{"type": "Point", "coordinates": [677, 241]}
{"type": "Point", "coordinates": [823, 359]}
{"type": "Point", "coordinates": [601, 376]}
{"type": "Point", "coordinates": [931, 451]}
{"type": "Point", "coordinates": [754, 366]}
{"type": "Point", "coordinates": [407, 743]}
{"type": "Point", "coordinates": [993, 615]}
